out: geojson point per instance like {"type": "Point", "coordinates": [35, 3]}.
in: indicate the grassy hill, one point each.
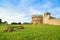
{"type": "Point", "coordinates": [32, 32]}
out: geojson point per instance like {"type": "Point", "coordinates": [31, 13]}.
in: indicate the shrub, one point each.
{"type": "Point", "coordinates": [5, 22]}
{"type": "Point", "coordinates": [26, 23]}
{"type": "Point", "coordinates": [16, 23]}
{"type": "Point", "coordinates": [0, 20]}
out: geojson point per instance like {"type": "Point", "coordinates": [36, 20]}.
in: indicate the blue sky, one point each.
{"type": "Point", "coordinates": [21, 10]}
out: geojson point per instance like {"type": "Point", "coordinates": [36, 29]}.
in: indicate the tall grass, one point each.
{"type": "Point", "coordinates": [32, 32]}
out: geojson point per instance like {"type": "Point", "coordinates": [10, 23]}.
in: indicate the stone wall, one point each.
{"type": "Point", "coordinates": [54, 21]}
{"type": "Point", "coordinates": [48, 19]}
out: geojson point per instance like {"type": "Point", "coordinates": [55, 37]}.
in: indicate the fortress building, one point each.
{"type": "Point", "coordinates": [45, 19]}
{"type": "Point", "coordinates": [37, 19]}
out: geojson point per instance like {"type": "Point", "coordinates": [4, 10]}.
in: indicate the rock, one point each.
{"type": "Point", "coordinates": [8, 29]}
{"type": "Point", "coordinates": [20, 27]}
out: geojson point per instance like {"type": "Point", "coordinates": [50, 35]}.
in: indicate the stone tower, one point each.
{"type": "Point", "coordinates": [37, 19]}
{"type": "Point", "coordinates": [46, 17]}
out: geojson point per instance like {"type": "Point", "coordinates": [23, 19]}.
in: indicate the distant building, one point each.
{"type": "Point", "coordinates": [45, 19]}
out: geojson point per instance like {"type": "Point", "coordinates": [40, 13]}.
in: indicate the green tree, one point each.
{"type": "Point", "coordinates": [0, 20]}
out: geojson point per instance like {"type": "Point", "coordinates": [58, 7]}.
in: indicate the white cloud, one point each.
{"type": "Point", "coordinates": [32, 11]}
{"type": "Point", "coordinates": [10, 15]}
{"type": "Point", "coordinates": [24, 10]}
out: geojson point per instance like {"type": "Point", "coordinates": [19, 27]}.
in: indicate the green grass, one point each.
{"type": "Point", "coordinates": [32, 32]}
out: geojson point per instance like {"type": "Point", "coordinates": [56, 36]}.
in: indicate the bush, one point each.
{"type": "Point", "coordinates": [0, 20]}
{"type": "Point", "coordinates": [5, 22]}
{"type": "Point", "coordinates": [16, 23]}
{"type": "Point", "coordinates": [26, 23]}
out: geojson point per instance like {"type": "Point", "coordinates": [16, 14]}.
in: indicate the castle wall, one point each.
{"type": "Point", "coordinates": [45, 19]}
{"type": "Point", "coordinates": [54, 21]}
{"type": "Point", "coordinates": [37, 19]}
